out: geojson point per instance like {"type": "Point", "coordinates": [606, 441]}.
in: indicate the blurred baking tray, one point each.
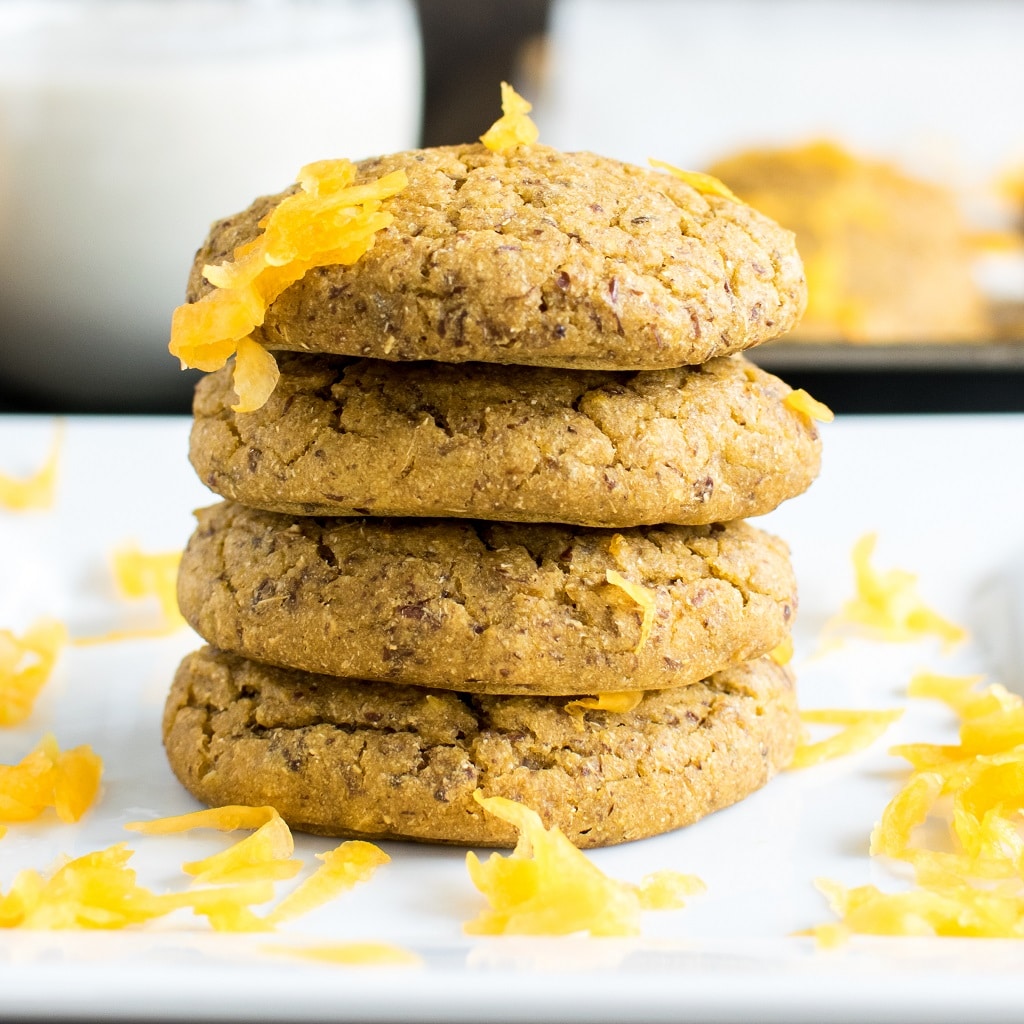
{"type": "Point", "coordinates": [923, 356]}
{"type": "Point", "coordinates": [1004, 350]}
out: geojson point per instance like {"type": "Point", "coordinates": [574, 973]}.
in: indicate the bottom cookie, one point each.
{"type": "Point", "coordinates": [370, 760]}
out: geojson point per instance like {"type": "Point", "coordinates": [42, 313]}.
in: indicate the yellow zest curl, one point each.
{"type": "Point", "coordinates": [263, 856]}
{"type": "Point", "coordinates": [642, 596]}
{"type": "Point", "coordinates": [68, 781]}
{"type": "Point", "coordinates": [225, 819]}
{"type": "Point", "coordinates": [974, 888]}
{"type": "Point", "coordinates": [38, 490]}
{"type": "Point", "coordinates": [621, 702]}
{"type": "Point", "coordinates": [782, 654]}
{"type": "Point", "coordinates": [858, 730]}
{"type": "Point", "coordinates": [26, 663]}
{"type": "Point", "coordinates": [514, 127]}
{"type": "Point", "coordinates": [548, 887]}
{"type": "Point", "coordinates": [800, 401]}
{"type": "Point", "coordinates": [328, 221]}
{"type": "Point", "coordinates": [705, 184]}
{"type": "Point", "coordinates": [887, 605]}
{"type": "Point", "coordinates": [341, 869]}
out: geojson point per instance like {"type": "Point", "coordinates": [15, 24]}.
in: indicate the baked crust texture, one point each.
{"type": "Point", "coordinates": [542, 258]}
{"type": "Point", "coordinates": [350, 758]}
{"type": "Point", "coordinates": [486, 607]}
{"type": "Point", "coordinates": [593, 448]}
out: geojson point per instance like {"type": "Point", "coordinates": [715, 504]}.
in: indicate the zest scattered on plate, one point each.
{"type": "Point", "coordinates": [100, 889]}
{"type": "Point", "coordinates": [546, 886]}
{"type": "Point", "coordinates": [137, 575]}
{"type": "Point", "coordinates": [974, 886]}
{"type": "Point", "coordinates": [38, 490]}
{"type": "Point", "coordinates": [26, 663]}
{"type": "Point", "coordinates": [66, 781]}
{"type": "Point", "coordinates": [886, 605]}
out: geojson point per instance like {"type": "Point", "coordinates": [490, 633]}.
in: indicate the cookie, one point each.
{"type": "Point", "coordinates": [486, 607]}
{"type": "Point", "coordinates": [541, 258]}
{"type": "Point", "coordinates": [341, 437]}
{"type": "Point", "coordinates": [888, 257]}
{"type": "Point", "coordinates": [345, 757]}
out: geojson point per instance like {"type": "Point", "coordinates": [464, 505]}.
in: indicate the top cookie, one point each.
{"type": "Point", "coordinates": [541, 258]}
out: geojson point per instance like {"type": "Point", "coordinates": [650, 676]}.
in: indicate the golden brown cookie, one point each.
{"type": "Point", "coordinates": [342, 437]}
{"type": "Point", "coordinates": [344, 757]}
{"type": "Point", "coordinates": [541, 258]}
{"type": "Point", "coordinates": [486, 607]}
{"type": "Point", "coordinates": [887, 256]}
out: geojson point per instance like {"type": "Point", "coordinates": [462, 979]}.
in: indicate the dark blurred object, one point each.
{"type": "Point", "coordinates": [469, 47]}
{"type": "Point", "coordinates": [917, 391]}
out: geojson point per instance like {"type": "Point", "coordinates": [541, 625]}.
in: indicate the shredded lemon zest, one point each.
{"type": "Point", "coordinates": [546, 886]}
{"type": "Point", "coordinates": [342, 868]}
{"type": "Point", "coordinates": [642, 596]}
{"type": "Point", "coordinates": [350, 954]}
{"type": "Point", "coordinates": [909, 808]}
{"type": "Point", "coordinates": [90, 892]}
{"type": "Point", "coordinates": [887, 606]}
{"type": "Point", "coordinates": [138, 575]}
{"type": "Point", "coordinates": [669, 890]}
{"type": "Point", "coordinates": [619, 702]}
{"type": "Point", "coordinates": [858, 730]}
{"type": "Point", "coordinates": [976, 787]}
{"type": "Point", "coordinates": [800, 401]}
{"type": "Point", "coordinates": [958, 692]}
{"type": "Point", "coordinates": [66, 781]}
{"type": "Point", "coordinates": [706, 184]}
{"type": "Point", "coordinates": [141, 574]}
{"type": "Point", "coordinates": [263, 855]}
{"type": "Point", "coordinates": [228, 818]}
{"type": "Point", "coordinates": [227, 908]}
{"type": "Point", "coordinates": [514, 127]}
{"type": "Point", "coordinates": [328, 221]}
{"type": "Point", "coordinates": [782, 654]}
{"type": "Point", "coordinates": [99, 891]}
{"type": "Point", "coordinates": [256, 375]}
{"type": "Point", "coordinates": [26, 664]}
{"type": "Point", "coordinates": [38, 490]}
{"type": "Point", "coordinates": [954, 911]}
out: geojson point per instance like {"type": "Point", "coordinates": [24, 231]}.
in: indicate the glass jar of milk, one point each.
{"type": "Point", "coordinates": [127, 126]}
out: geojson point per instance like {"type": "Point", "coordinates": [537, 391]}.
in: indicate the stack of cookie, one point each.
{"type": "Point", "coordinates": [487, 533]}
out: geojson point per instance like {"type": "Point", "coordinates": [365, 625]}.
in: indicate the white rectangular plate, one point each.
{"type": "Point", "coordinates": [944, 494]}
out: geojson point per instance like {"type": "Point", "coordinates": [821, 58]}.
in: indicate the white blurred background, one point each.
{"type": "Point", "coordinates": [937, 85]}
{"type": "Point", "coordinates": [128, 126]}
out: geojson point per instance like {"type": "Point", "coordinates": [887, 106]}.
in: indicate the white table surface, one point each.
{"type": "Point", "coordinates": [945, 495]}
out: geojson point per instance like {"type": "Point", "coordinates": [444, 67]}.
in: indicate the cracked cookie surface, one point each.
{"type": "Point", "coordinates": [541, 258]}
{"type": "Point", "coordinates": [351, 758]}
{"type": "Point", "coordinates": [366, 437]}
{"type": "Point", "coordinates": [486, 607]}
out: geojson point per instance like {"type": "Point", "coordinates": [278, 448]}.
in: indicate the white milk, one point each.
{"type": "Point", "coordinates": [127, 126]}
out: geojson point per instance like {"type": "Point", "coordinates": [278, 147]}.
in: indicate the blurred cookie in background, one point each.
{"type": "Point", "coordinates": [888, 257]}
